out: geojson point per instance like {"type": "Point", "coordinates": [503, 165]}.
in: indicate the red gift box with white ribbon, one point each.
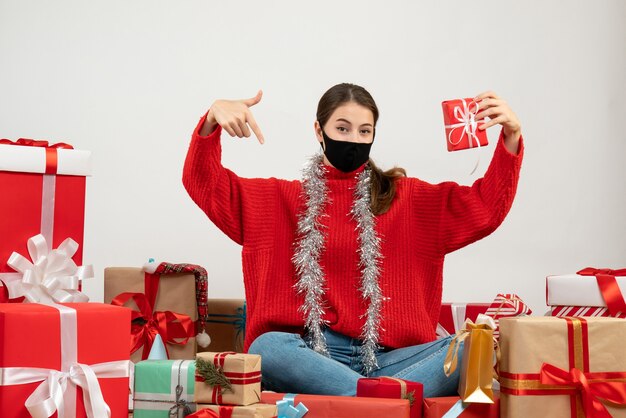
{"type": "Point", "coordinates": [461, 125]}
{"type": "Point", "coordinates": [43, 192]}
{"type": "Point", "coordinates": [64, 360]}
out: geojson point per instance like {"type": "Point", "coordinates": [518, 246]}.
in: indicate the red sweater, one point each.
{"type": "Point", "coordinates": [425, 222]}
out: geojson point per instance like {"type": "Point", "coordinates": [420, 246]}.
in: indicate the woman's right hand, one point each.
{"type": "Point", "coordinates": [234, 116]}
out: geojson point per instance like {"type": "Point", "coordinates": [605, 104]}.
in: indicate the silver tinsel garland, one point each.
{"type": "Point", "coordinates": [310, 244]}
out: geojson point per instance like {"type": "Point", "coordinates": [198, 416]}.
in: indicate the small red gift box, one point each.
{"type": "Point", "coordinates": [459, 117]}
{"type": "Point", "coordinates": [322, 406]}
{"type": "Point", "coordinates": [438, 407]}
{"type": "Point", "coordinates": [59, 354]}
{"type": "Point", "coordinates": [43, 191]}
{"type": "Point", "coordinates": [390, 387]}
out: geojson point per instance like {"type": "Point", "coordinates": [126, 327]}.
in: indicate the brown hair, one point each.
{"type": "Point", "coordinates": [383, 187]}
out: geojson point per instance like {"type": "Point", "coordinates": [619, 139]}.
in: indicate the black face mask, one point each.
{"type": "Point", "coordinates": [346, 156]}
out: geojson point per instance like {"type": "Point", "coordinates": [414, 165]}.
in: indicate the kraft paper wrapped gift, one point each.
{"type": "Point", "coordinates": [257, 410]}
{"type": "Point", "coordinates": [322, 406]}
{"type": "Point", "coordinates": [589, 287]}
{"type": "Point", "coordinates": [439, 407]}
{"type": "Point", "coordinates": [71, 345]}
{"type": "Point", "coordinates": [43, 192]}
{"type": "Point", "coordinates": [226, 325]}
{"type": "Point", "coordinates": [164, 388]}
{"type": "Point", "coordinates": [477, 365]}
{"type": "Point", "coordinates": [175, 293]}
{"type": "Point", "coordinates": [459, 116]}
{"type": "Point", "coordinates": [391, 387]}
{"type": "Point", "coordinates": [562, 367]}
{"type": "Point", "coordinates": [228, 378]}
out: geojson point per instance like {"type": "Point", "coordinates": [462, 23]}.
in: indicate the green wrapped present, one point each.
{"type": "Point", "coordinates": [164, 388]}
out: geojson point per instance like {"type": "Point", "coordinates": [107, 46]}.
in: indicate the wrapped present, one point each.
{"type": "Point", "coordinates": [452, 406]}
{"type": "Point", "coordinates": [576, 367]}
{"type": "Point", "coordinates": [584, 311]}
{"type": "Point", "coordinates": [43, 192]}
{"type": "Point", "coordinates": [452, 316]}
{"type": "Point", "coordinates": [391, 387]}
{"type": "Point", "coordinates": [69, 358]}
{"type": "Point", "coordinates": [174, 297]}
{"type": "Point", "coordinates": [322, 406]}
{"type": "Point", "coordinates": [228, 378]}
{"type": "Point", "coordinates": [226, 325]}
{"type": "Point", "coordinates": [257, 410]}
{"type": "Point", "coordinates": [461, 125]}
{"type": "Point", "coordinates": [476, 373]}
{"type": "Point", "coordinates": [164, 388]}
{"type": "Point", "coordinates": [600, 288]}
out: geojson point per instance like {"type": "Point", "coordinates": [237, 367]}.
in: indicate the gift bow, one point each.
{"type": "Point", "coordinates": [25, 142]}
{"type": "Point", "coordinates": [466, 118]}
{"type": "Point", "coordinates": [591, 391]}
{"type": "Point", "coordinates": [611, 293]}
{"type": "Point", "coordinates": [170, 325]}
{"type": "Point", "coordinates": [48, 397]}
{"type": "Point", "coordinates": [181, 404]}
{"type": "Point", "coordinates": [482, 322]}
{"type": "Point", "coordinates": [286, 408]}
{"type": "Point", "coordinates": [52, 276]}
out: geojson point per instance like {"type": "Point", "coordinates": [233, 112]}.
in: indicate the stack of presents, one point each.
{"type": "Point", "coordinates": [158, 347]}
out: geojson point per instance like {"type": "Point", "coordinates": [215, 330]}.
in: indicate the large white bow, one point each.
{"type": "Point", "coordinates": [48, 397]}
{"type": "Point", "coordinates": [52, 276]}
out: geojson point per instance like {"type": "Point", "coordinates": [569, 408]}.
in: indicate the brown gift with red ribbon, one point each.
{"type": "Point", "coordinates": [563, 367]}
{"type": "Point", "coordinates": [228, 378]}
{"type": "Point", "coordinates": [166, 305]}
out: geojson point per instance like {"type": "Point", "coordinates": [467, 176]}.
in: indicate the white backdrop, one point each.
{"type": "Point", "coordinates": [128, 80]}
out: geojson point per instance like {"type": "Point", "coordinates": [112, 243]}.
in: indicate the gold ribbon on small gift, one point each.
{"type": "Point", "coordinates": [479, 372]}
{"type": "Point", "coordinates": [410, 396]}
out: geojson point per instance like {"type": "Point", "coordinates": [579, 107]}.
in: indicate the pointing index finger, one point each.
{"type": "Point", "coordinates": [255, 128]}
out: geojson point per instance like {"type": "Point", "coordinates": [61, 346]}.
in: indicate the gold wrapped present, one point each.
{"type": "Point", "coordinates": [563, 367]}
{"type": "Point", "coordinates": [175, 293]}
{"type": "Point", "coordinates": [225, 324]}
{"type": "Point", "coordinates": [228, 378]}
{"type": "Point", "coordinates": [476, 373]}
{"type": "Point", "coordinates": [257, 410]}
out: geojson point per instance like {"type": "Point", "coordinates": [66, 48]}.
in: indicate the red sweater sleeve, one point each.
{"type": "Point", "coordinates": [215, 189]}
{"type": "Point", "coordinates": [471, 213]}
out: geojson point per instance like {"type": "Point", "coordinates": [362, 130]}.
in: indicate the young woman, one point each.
{"type": "Point", "coordinates": [343, 269]}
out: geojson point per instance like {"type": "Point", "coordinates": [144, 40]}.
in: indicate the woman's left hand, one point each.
{"type": "Point", "coordinates": [499, 112]}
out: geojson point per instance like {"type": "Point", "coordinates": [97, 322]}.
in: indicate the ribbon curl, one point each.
{"type": "Point", "coordinates": [286, 408]}
{"type": "Point", "coordinates": [51, 277]}
{"type": "Point", "coordinates": [174, 328]}
{"type": "Point", "coordinates": [591, 391]}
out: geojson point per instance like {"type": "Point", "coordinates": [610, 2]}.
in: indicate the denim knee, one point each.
{"type": "Point", "coordinates": [271, 343]}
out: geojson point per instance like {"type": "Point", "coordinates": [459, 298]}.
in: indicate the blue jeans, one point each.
{"type": "Point", "coordinates": [289, 365]}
